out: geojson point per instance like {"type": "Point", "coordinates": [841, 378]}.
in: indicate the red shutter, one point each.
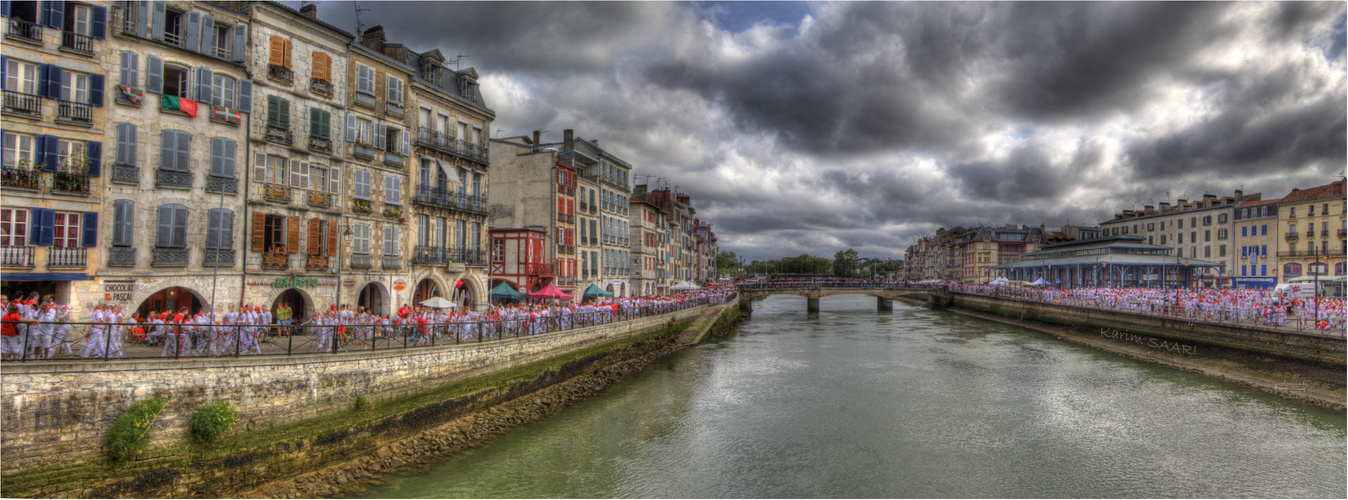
{"type": "Point", "coordinates": [293, 236]}
{"type": "Point", "coordinates": [259, 231]}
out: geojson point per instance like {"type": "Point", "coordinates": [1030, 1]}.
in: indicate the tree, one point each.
{"type": "Point", "coordinates": [726, 262]}
{"type": "Point", "coordinates": [845, 263]}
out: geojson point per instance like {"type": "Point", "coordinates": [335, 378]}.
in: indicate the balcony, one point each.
{"type": "Point", "coordinates": [320, 145]}
{"type": "Point", "coordinates": [361, 261]}
{"type": "Point", "coordinates": [76, 42]}
{"type": "Point", "coordinates": [221, 52]}
{"type": "Point", "coordinates": [539, 270]}
{"type": "Point", "coordinates": [365, 100]}
{"type": "Point", "coordinates": [362, 152]}
{"type": "Point", "coordinates": [476, 258]}
{"type": "Point", "coordinates": [121, 257]}
{"type": "Point", "coordinates": [390, 262]}
{"type": "Point", "coordinates": [280, 74]}
{"type": "Point", "coordinates": [317, 263]}
{"type": "Point", "coordinates": [172, 179]}
{"type": "Point", "coordinates": [432, 255]}
{"type": "Point", "coordinates": [23, 104]}
{"type": "Point", "coordinates": [276, 261]}
{"type": "Point", "coordinates": [441, 197]}
{"type": "Point", "coordinates": [217, 257]}
{"type": "Point", "coordinates": [279, 135]}
{"type": "Point", "coordinates": [320, 87]}
{"type": "Point", "coordinates": [1343, 233]}
{"type": "Point", "coordinates": [1292, 236]}
{"type": "Point", "coordinates": [393, 109]}
{"type": "Point", "coordinates": [393, 159]}
{"type": "Point", "coordinates": [1324, 233]}
{"type": "Point", "coordinates": [70, 183]}
{"type": "Point", "coordinates": [126, 174]}
{"type": "Point", "coordinates": [318, 200]}
{"type": "Point", "coordinates": [175, 39]}
{"type": "Point", "coordinates": [21, 179]}
{"type": "Point", "coordinates": [18, 256]}
{"type": "Point", "coordinates": [276, 193]}
{"type": "Point", "coordinates": [216, 184]}
{"type": "Point", "coordinates": [594, 210]}
{"type": "Point", "coordinates": [75, 112]}
{"type": "Point", "coordinates": [24, 30]}
{"type": "Point", "coordinates": [362, 206]}
{"type": "Point", "coordinates": [393, 211]}
{"type": "Point", "coordinates": [566, 249]}
{"type": "Point", "coordinates": [446, 144]}
{"type": "Point", "coordinates": [170, 257]}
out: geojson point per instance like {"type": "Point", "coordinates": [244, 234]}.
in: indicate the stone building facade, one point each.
{"type": "Point", "coordinates": [609, 178]}
{"type": "Point", "coordinates": [1312, 234]}
{"type": "Point", "coordinates": [1201, 229]}
{"type": "Point", "coordinates": [1256, 240]}
{"type": "Point", "coordinates": [529, 190]}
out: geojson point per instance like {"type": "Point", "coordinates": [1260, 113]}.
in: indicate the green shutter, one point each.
{"type": "Point", "coordinates": [273, 118]}
{"type": "Point", "coordinates": [284, 105]}
{"type": "Point", "coordinates": [327, 124]}
{"type": "Point", "coordinates": [316, 122]}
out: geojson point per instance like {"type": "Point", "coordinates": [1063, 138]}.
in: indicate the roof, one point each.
{"type": "Point", "coordinates": [1111, 259]}
{"type": "Point", "coordinates": [1331, 190]}
{"type": "Point", "coordinates": [314, 20]}
{"type": "Point", "coordinates": [1257, 203]}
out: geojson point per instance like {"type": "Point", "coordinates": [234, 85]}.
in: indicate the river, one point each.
{"type": "Point", "coordinates": [914, 403]}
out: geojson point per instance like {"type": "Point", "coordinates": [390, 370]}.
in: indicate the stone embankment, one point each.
{"type": "Point", "coordinates": [437, 414]}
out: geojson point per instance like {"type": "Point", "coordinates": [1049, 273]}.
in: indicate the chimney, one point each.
{"type": "Point", "coordinates": [595, 142]}
{"type": "Point", "coordinates": [1239, 194]}
{"type": "Point", "coordinates": [1165, 205]}
{"type": "Point", "coordinates": [569, 139]}
{"type": "Point", "coordinates": [1148, 208]}
{"type": "Point", "coordinates": [373, 38]}
{"type": "Point", "coordinates": [309, 10]}
{"type": "Point", "coordinates": [537, 137]}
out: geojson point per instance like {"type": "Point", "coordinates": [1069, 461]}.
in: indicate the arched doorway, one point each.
{"type": "Point", "coordinates": [426, 288]}
{"type": "Point", "coordinates": [299, 305]}
{"type": "Point", "coordinates": [463, 296]}
{"type": "Point", "coordinates": [172, 299]}
{"type": "Point", "coordinates": [373, 298]}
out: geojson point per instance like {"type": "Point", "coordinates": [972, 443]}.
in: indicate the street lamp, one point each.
{"type": "Point", "coordinates": [346, 237]}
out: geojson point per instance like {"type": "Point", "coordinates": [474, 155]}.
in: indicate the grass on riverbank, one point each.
{"type": "Point", "coordinates": [167, 464]}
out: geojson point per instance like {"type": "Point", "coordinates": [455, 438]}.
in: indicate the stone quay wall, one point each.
{"type": "Point", "coordinates": [1310, 346]}
{"type": "Point", "coordinates": [57, 413]}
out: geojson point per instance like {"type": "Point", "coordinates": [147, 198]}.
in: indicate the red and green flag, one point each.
{"type": "Point", "coordinates": [175, 103]}
{"type": "Point", "coordinates": [228, 115]}
{"type": "Point", "coordinates": [133, 95]}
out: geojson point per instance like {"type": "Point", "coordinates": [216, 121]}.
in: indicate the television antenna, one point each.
{"type": "Point", "coordinates": [458, 60]}
{"type": "Point", "coordinates": [360, 28]}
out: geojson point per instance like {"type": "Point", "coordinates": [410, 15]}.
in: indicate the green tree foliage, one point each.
{"type": "Point", "coordinates": [129, 435]}
{"type": "Point", "coordinates": [845, 263]}
{"type": "Point", "coordinates": [212, 420]}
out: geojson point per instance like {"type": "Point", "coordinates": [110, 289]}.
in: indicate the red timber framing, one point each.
{"type": "Point", "coordinates": [517, 255]}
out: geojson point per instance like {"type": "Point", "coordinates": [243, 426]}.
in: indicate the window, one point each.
{"type": "Point", "coordinates": [1339, 268]}
{"type": "Point", "coordinates": [392, 190]}
{"type": "Point", "coordinates": [319, 175]}
{"type": "Point", "coordinates": [1221, 250]}
{"type": "Point", "coordinates": [174, 150]}
{"type": "Point", "coordinates": [1263, 269]}
{"type": "Point", "coordinates": [1242, 231]}
{"type": "Point", "coordinates": [18, 148]}
{"type": "Point", "coordinates": [1291, 270]}
{"type": "Point", "coordinates": [172, 227]}
{"type": "Point", "coordinates": [1310, 210]}
{"type": "Point", "coordinates": [423, 230]}
{"type": "Point", "coordinates": [322, 66]}
{"type": "Point", "coordinates": [126, 144]}
{"type": "Point", "coordinates": [123, 222]}
{"type": "Point", "coordinates": [273, 232]}
{"type": "Point", "coordinates": [320, 123]}
{"type": "Point", "coordinates": [1221, 218]}
{"type": "Point", "coordinates": [279, 50]}
{"type": "Point", "coordinates": [1324, 209]}
{"type": "Point", "coordinates": [222, 157]}
{"type": "Point", "coordinates": [1292, 214]}
{"type": "Point", "coordinates": [362, 181]}
{"type": "Point", "coordinates": [69, 155]}
{"type": "Point", "coordinates": [274, 170]}
{"type": "Point", "coordinates": [395, 90]}
{"type": "Point", "coordinates": [1193, 222]}
{"type": "Point", "coordinates": [222, 91]}
{"type": "Point", "coordinates": [13, 227]}
{"type": "Point", "coordinates": [360, 244]}
{"type": "Point", "coordinates": [1221, 234]}
{"type": "Point", "coordinates": [219, 228]}
{"type": "Point", "coordinates": [20, 77]}
{"type": "Point", "coordinates": [1125, 228]}
{"type": "Point", "coordinates": [1263, 251]}
{"type": "Point", "coordinates": [390, 233]}
{"type": "Point", "coordinates": [424, 118]}
{"type": "Point", "coordinates": [364, 131]}
{"type": "Point", "coordinates": [1179, 223]}
{"type": "Point", "coordinates": [175, 81]}
{"type": "Point", "coordinates": [1291, 228]}
{"type": "Point", "coordinates": [364, 79]}
{"type": "Point", "coordinates": [1207, 220]}
{"type": "Point", "coordinates": [440, 232]}
{"type": "Point", "coordinates": [1163, 239]}
{"type": "Point", "coordinates": [278, 112]}
{"type": "Point", "coordinates": [74, 87]}
{"type": "Point", "coordinates": [1151, 226]}
{"type": "Point", "coordinates": [1263, 229]}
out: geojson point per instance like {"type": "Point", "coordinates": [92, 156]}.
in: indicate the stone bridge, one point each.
{"type": "Point", "coordinates": [884, 295]}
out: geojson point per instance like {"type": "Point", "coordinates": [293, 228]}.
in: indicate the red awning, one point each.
{"type": "Point", "coordinates": [549, 292]}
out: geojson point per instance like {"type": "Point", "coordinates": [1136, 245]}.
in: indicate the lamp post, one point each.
{"type": "Point", "coordinates": [346, 237]}
{"type": "Point", "coordinates": [1316, 253]}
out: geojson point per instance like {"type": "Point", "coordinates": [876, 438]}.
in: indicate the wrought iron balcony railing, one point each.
{"type": "Point", "coordinates": [174, 39]}
{"type": "Point", "coordinates": [433, 255]}
{"type": "Point", "coordinates": [444, 143]}
{"type": "Point", "coordinates": [389, 262]}
{"type": "Point", "coordinates": [279, 135]}
{"type": "Point", "coordinates": [320, 87]}
{"type": "Point", "coordinates": [77, 112]}
{"type": "Point", "coordinates": [172, 178]}
{"type": "Point", "coordinates": [221, 257]}
{"type": "Point", "coordinates": [21, 179]}
{"type": "Point", "coordinates": [280, 73]}
{"type": "Point", "coordinates": [320, 144]}
{"type": "Point", "coordinates": [18, 256]}
{"type": "Point", "coordinates": [126, 174]}
{"type": "Point", "coordinates": [216, 184]}
{"type": "Point", "coordinates": [165, 257]}
{"type": "Point", "coordinates": [70, 183]}
{"type": "Point", "coordinates": [121, 256]}
{"type": "Point", "coordinates": [77, 42]}
{"type": "Point", "coordinates": [21, 103]}
{"type": "Point", "coordinates": [24, 30]}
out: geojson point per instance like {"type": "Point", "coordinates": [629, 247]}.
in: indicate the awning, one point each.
{"type": "Point", "coordinates": [451, 173]}
{"type": "Point", "coordinates": [549, 292]}
{"type": "Point", "coordinates": [505, 291]}
{"type": "Point", "coordinates": [595, 291]}
{"type": "Point", "coordinates": [10, 276]}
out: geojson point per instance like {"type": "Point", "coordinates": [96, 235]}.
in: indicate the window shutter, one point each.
{"type": "Point", "coordinates": [123, 218]}
{"type": "Point", "coordinates": [259, 167]}
{"type": "Point", "coordinates": [168, 148]}
{"type": "Point", "coordinates": [207, 36]}
{"type": "Point", "coordinates": [194, 31]}
{"type": "Point", "coordinates": [296, 179]}
{"type": "Point", "coordinates": [213, 228]}
{"type": "Point", "coordinates": [350, 127]}
{"type": "Point", "coordinates": [407, 143]}
{"type": "Point", "coordinates": [259, 230]}
{"type": "Point", "coordinates": [57, 14]}
{"type": "Point", "coordinates": [332, 239]}
{"type": "Point", "coordinates": [51, 86]}
{"type": "Point", "coordinates": [48, 153]}
{"type": "Point", "coordinates": [276, 51]}
{"type": "Point", "coordinates": [123, 150]}
{"type": "Point", "coordinates": [240, 37]}
{"type": "Point", "coordinates": [284, 106]}
{"type": "Point", "coordinates": [204, 79]}
{"type": "Point", "coordinates": [4, 8]}
{"type": "Point", "coordinates": [4, 61]}
{"type": "Point", "coordinates": [96, 85]}
{"type": "Point", "coordinates": [99, 26]}
{"type": "Point", "coordinates": [227, 229]}
{"type": "Point", "coordinates": [130, 71]}
{"type": "Point", "coordinates": [293, 234]}
{"type": "Point", "coordinates": [94, 151]}
{"type": "Point", "coordinates": [154, 75]}
{"type": "Point", "coordinates": [273, 104]}
{"type": "Point", "coordinates": [217, 155]}
{"type": "Point", "coordinates": [322, 66]}
{"type": "Point", "coordinates": [160, 14]}
{"type": "Point", "coordinates": [314, 242]}
{"type": "Point", "coordinates": [179, 226]}
{"type": "Point", "coordinates": [246, 96]}
{"type": "Point", "coordinates": [142, 15]}
{"type": "Point", "coordinates": [289, 48]}
{"type": "Point", "coordinates": [228, 169]}
{"type": "Point", "coordinates": [380, 136]}
{"type": "Point", "coordinates": [335, 180]}
{"type": "Point", "coordinates": [163, 236]}
{"type": "Point", "coordinates": [315, 123]}
{"type": "Point", "coordinates": [184, 149]}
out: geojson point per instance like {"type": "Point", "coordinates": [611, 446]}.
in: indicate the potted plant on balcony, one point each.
{"type": "Point", "coordinates": [72, 175]}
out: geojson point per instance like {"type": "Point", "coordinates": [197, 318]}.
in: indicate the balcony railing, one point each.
{"type": "Point", "coordinates": [424, 254]}
{"type": "Point", "coordinates": [476, 258]}
{"type": "Point", "coordinates": [70, 183]}
{"type": "Point", "coordinates": [217, 184]}
{"type": "Point", "coordinates": [21, 179]}
{"type": "Point", "coordinates": [121, 256]}
{"type": "Point", "coordinates": [213, 257]}
{"type": "Point", "coordinates": [1343, 233]}
{"type": "Point", "coordinates": [126, 174]}
{"type": "Point", "coordinates": [320, 87]}
{"type": "Point", "coordinates": [1324, 233]}
{"type": "Point", "coordinates": [27, 104]}
{"type": "Point", "coordinates": [318, 200]}
{"type": "Point", "coordinates": [447, 144]}
{"type": "Point", "coordinates": [362, 152]}
{"type": "Point", "coordinates": [361, 261]}
{"type": "Point", "coordinates": [74, 111]}
{"type": "Point", "coordinates": [170, 256]}
{"type": "Point", "coordinates": [276, 261]}
{"type": "Point", "coordinates": [279, 135]}
{"type": "Point", "coordinates": [539, 269]}
{"type": "Point", "coordinates": [174, 39]}
{"type": "Point", "coordinates": [278, 193]}
{"type": "Point", "coordinates": [393, 159]}
{"type": "Point", "coordinates": [172, 178]}
{"type": "Point", "coordinates": [391, 262]}
{"type": "Point", "coordinates": [362, 206]}
{"type": "Point", "coordinates": [320, 144]}
{"type": "Point", "coordinates": [280, 73]}
{"type": "Point", "coordinates": [77, 42]}
{"type": "Point", "coordinates": [317, 263]}
{"type": "Point", "coordinates": [24, 30]}
{"type": "Point", "coordinates": [18, 256]}
{"type": "Point", "coordinates": [221, 52]}
{"type": "Point", "coordinates": [1293, 236]}
{"type": "Point", "coordinates": [441, 197]}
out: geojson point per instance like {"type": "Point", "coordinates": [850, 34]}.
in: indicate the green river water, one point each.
{"type": "Point", "coordinates": [910, 404]}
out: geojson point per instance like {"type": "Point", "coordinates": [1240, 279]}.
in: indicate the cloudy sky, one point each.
{"type": "Point", "coordinates": [813, 127]}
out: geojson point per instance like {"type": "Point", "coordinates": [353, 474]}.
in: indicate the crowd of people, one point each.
{"type": "Point", "coordinates": [37, 328]}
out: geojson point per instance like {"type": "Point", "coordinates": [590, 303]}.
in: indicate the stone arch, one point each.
{"type": "Point", "coordinates": [373, 295]}
{"type": "Point", "coordinates": [172, 297]}
{"type": "Point", "coordinates": [427, 286]}
{"type": "Point", "coordinates": [306, 305]}
{"type": "Point", "coordinates": [475, 289]}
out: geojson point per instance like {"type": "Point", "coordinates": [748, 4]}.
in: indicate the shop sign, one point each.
{"type": "Point", "coordinates": [118, 290]}
{"type": "Point", "coordinates": [293, 282]}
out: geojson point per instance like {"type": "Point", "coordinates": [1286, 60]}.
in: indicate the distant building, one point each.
{"type": "Point", "coordinates": [1256, 233]}
{"type": "Point", "coordinates": [1114, 261]}
{"type": "Point", "coordinates": [1309, 221]}
{"type": "Point", "coordinates": [1201, 229]}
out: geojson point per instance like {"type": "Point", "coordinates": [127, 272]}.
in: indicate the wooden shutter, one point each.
{"type": "Point", "coordinates": [380, 135]}
{"type": "Point", "coordinates": [163, 236]}
{"type": "Point", "coordinates": [332, 239]}
{"type": "Point", "coordinates": [284, 120]}
{"type": "Point", "coordinates": [204, 79]}
{"type": "Point", "coordinates": [245, 100]}
{"type": "Point", "coordinates": [217, 155]}
{"type": "Point", "coordinates": [293, 234]}
{"type": "Point", "coordinates": [184, 151]}
{"type": "Point", "coordinates": [193, 31]}
{"type": "Point", "coordinates": [207, 36]}
{"type": "Point", "coordinates": [154, 75]}
{"type": "Point", "coordinates": [168, 148]}
{"type": "Point", "coordinates": [322, 66]}
{"type": "Point", "coordinates": [273, 105]}
{"type": "Point", "coordinates": [213, 228]}
{"type": "Point", "coordinates": [122, 221]}
{"type": "Point", "coordinates": [227, 169]}
{"type": "Point", "coordinates": [130, 71]}
{"type": "Point", "coordinates": [314, 244]}
{"type": "Point", "coordinates": [277, 53]}
{"type": "Point", "coordinates": [315, 122]}
{"type": "Point", "coordinates": [289, 48]}
{"type": "Point", "coordinates": [259, 231]}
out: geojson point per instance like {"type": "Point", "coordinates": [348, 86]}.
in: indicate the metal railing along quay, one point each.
{"type": "Point", "coordinates": [109, 341]}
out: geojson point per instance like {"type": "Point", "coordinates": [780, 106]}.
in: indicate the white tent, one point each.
{"type": "Point", "coordinates": [437, 303]}
{"type": "Point", "coordinates": [1000, 281]}
{"type": "Point", "coordinates": [684, 286]}
{"type": "Point", "coordinates": [1039, 282]}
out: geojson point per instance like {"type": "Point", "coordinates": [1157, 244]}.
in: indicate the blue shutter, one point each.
{"type": "Point", "coordinates": [46, 151]}
{"type": "Point", "coordinates": [159, 15]}
{"type": "Point", "coordinates": [94, 150]}
{"type": "Point", "coordinates": [100, 24]}
{"type": "Point", "coordinates": [193, 31]}
{"type": "Point", "coordinates": [53, 84]}
{"type": "Point", "coordinates": [58, 14]}
{"type": "Point", "coordinates": [130, 70]}
{"type": "Point", "coordinates": [143, 15]}
{"type": "Point", "coordinates": [208, 35]}
{"type": "Point", "coordinates": [90, 229]}
{"type": "Point", "coordinates": [154, 75]}
{"type": "Point", "coordinates": [45, 222]}
{"type": "Point", "coordinates": [168, 150]}
{"type": "Point", "coordinates": [4, 8]}
{"type": "Point", "coordinates": [4, 63]}
{"type": "Point", "coordinates": [34, 228]}
{"type": "Point", "coordinates": [245, 103]}
{"type": "Point", "coordinates": [204, 75]}
{"type": "Point", "coordinates": [96, 83]}
{"type": "Point", "coordinates": [240, 36]}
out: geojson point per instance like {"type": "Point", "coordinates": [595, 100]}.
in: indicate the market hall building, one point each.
{"type": "Point", "coordinates": [1116, 261]}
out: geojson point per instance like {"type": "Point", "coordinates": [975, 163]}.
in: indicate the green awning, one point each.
{"type": "Point", "coordinates": [595, 291]}
{"type": "Point", "coordinates": [505, 291]}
